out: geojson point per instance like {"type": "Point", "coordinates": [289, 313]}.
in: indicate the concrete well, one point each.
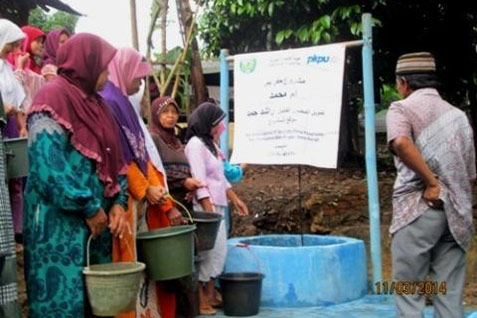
{"type": "Point", "coordinates": [327, 270]}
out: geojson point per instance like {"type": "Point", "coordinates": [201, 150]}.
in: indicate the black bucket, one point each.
{"type": "Point", "coordinates": [207, 224]}
{"type": "Point", "coordinates": [241, 293]}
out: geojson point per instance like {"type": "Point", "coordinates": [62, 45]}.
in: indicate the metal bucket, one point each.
{"type": "Point", "coordinates": [168, 252]}
{"type": "Point", "coordinates": [207, 228]}
{"type": "Point", "coordinates": [112, 288]}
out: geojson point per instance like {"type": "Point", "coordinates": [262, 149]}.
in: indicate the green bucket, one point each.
{"type": "Point", "coordinates": [112, 288]}
{"type": "Point", "coordinates": [168, 252]}
{"type": "Point", "coordinates": [16, 151]}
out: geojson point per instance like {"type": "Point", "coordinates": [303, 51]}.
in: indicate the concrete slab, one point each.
{"type": "Point", "coordinates": [370, 306]}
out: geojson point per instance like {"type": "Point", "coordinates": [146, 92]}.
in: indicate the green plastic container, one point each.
{"type": "Point", "coordinates": [168, 252]}
{"type": "Point", "coordinates": [112, 288]}
{"type": "Point", "coordinates": [16, 152]}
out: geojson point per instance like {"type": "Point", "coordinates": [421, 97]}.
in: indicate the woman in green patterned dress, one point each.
{"type": "Point", "coordinates": [76, 184]}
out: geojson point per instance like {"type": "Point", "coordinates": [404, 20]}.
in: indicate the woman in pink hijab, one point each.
{"type": "Point", "coordinates": [146, 184]}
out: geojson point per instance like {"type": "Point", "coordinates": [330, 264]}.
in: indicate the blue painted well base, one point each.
{"type": "Point", "coordinates": [367, 307]}
{"type": "Point", "coordinates": [327, 270]}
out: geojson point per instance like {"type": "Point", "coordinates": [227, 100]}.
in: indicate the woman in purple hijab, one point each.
{"type": "Point", "coordinates": [54, 40]}
{"type": "Point", "coordinates": [146, 184]}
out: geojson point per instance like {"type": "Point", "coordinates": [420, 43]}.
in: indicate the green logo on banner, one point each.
{"type": "Point", "coordinates": [248, 66]}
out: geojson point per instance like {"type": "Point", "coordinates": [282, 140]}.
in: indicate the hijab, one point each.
{"type": "Point", "coordinates": [201, 122]}
{"type": "Point", "coordinates": [32, 34]}
{"type": "Point", "coordinates": [167, 134]}
{"type": "Point", "coordinates": [11, 90]}
{"type": "Point", "coordinates": [71, 100]}
{"type": "Point", "coordinates": [126, 66]}
{"type": "Point", "coordinates": [52, 45]}
{"type": "Point", "coordinates": [150, 145]}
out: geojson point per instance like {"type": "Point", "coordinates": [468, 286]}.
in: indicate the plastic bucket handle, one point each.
{"type": "Point", "coordinates": [88, 248]}
{"type": "Point", "coordinates": [168, 195]}
{"type": "Point", "coordinates": [247, 247]}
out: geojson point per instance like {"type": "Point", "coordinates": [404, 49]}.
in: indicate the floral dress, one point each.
{"type": "Point", "coordinates": [62, 190]}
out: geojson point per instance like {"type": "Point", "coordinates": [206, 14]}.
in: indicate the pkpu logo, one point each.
{"type": "Point", "coordinates": [318, 59]}
{"type": "Point", "coordinates": [248, 66]}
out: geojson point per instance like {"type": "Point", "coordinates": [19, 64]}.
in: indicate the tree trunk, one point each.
{"type": "Point", "coordinates": [198, 80]}
{"type": "Point", "coordinates": [134, 33]}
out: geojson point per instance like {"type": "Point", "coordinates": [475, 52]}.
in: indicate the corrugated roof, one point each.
{"type": "Point", "coordinates": [21, 7]}
{"type": "Point", "coordinates": [57, 4]}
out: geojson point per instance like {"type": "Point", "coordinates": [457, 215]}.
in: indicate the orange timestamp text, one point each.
{"type": "Point", "coordinates": [410, 288]}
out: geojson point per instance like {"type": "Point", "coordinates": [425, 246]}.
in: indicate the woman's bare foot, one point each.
{"type": "Point", "coordinates": [205, 308]}
{"type": "Point", "coordinates": [217, 301]}
{"type": "Point", "coordinates": [208, 310]}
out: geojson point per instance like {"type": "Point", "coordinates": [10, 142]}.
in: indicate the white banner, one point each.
{"type": "Point", "coordinates": [288, 106]}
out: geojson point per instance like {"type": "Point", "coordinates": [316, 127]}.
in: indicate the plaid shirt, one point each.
{"type": "Point", "coordinates": [444, 138]}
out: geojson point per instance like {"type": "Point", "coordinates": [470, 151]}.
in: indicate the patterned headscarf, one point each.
{"type": "Point", "coordinates": [167, 134]}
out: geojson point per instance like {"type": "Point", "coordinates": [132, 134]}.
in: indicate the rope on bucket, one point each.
{"type": "Point", "coordinates": [169, 196]}
{"type": "Point", "coordinates": [247, 247]}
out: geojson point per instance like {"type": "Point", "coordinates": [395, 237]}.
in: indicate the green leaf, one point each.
{"type": "Point", "coordinates": [346, 12]}
{"type": "Point", "coordinates": [376, 22]}
{"type": "Point", "coordinates": [250, 9]}
{"type": "Point", "coordinates": [326, 37]}
{"type": "Point", "coordinates": [270, 8]}
{"type": "Point", "coordinates": [280, 37]}
{"type": "Point", "coordinates": [354, 28]}
{"type": "Point", "coordinates": [326, 21]}
{"type": "Point", "coordinates": [315, 36]}
{"type": "Point", "coordinates": [302, 34]}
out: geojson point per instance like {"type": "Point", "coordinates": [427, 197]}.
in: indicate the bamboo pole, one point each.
{"type": "Point", "coordinates": [184, 54]}
{"type": "Point", "coordinates": [134, 32]}
{"type": "Point", "coordinates": [181, 58]}
{"type": "Point", "coordinates": [197, 76]}
{"type": "Point", "coordinates": [152, 25]}
{"type": "Point", "coordinates": [163, 13]}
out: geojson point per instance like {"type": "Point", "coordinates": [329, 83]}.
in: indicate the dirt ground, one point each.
{"type": "Point", "coordinates": [333, 201]}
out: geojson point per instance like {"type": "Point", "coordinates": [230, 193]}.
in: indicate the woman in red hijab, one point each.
{"type": "Point", "coordinates": [27, 62]}
{"type": "Point", "coordinates": [32, 49]}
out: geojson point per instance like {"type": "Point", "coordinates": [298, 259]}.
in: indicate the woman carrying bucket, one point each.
{"type": "Point", "coordinates": [77, 184]}
{"type": "Point", "coordinates": [145, 182]}
{"type": "Point", "coordinates": [165, 115]}
{"type": "Point", "coordinates": [206, 165]}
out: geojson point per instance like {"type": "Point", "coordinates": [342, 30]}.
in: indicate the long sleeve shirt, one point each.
{"type": "Point", "coordinates": [210, 170]}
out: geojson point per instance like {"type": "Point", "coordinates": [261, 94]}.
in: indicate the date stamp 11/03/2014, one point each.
{"type": "Point", "coordinates": [410, 288]}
